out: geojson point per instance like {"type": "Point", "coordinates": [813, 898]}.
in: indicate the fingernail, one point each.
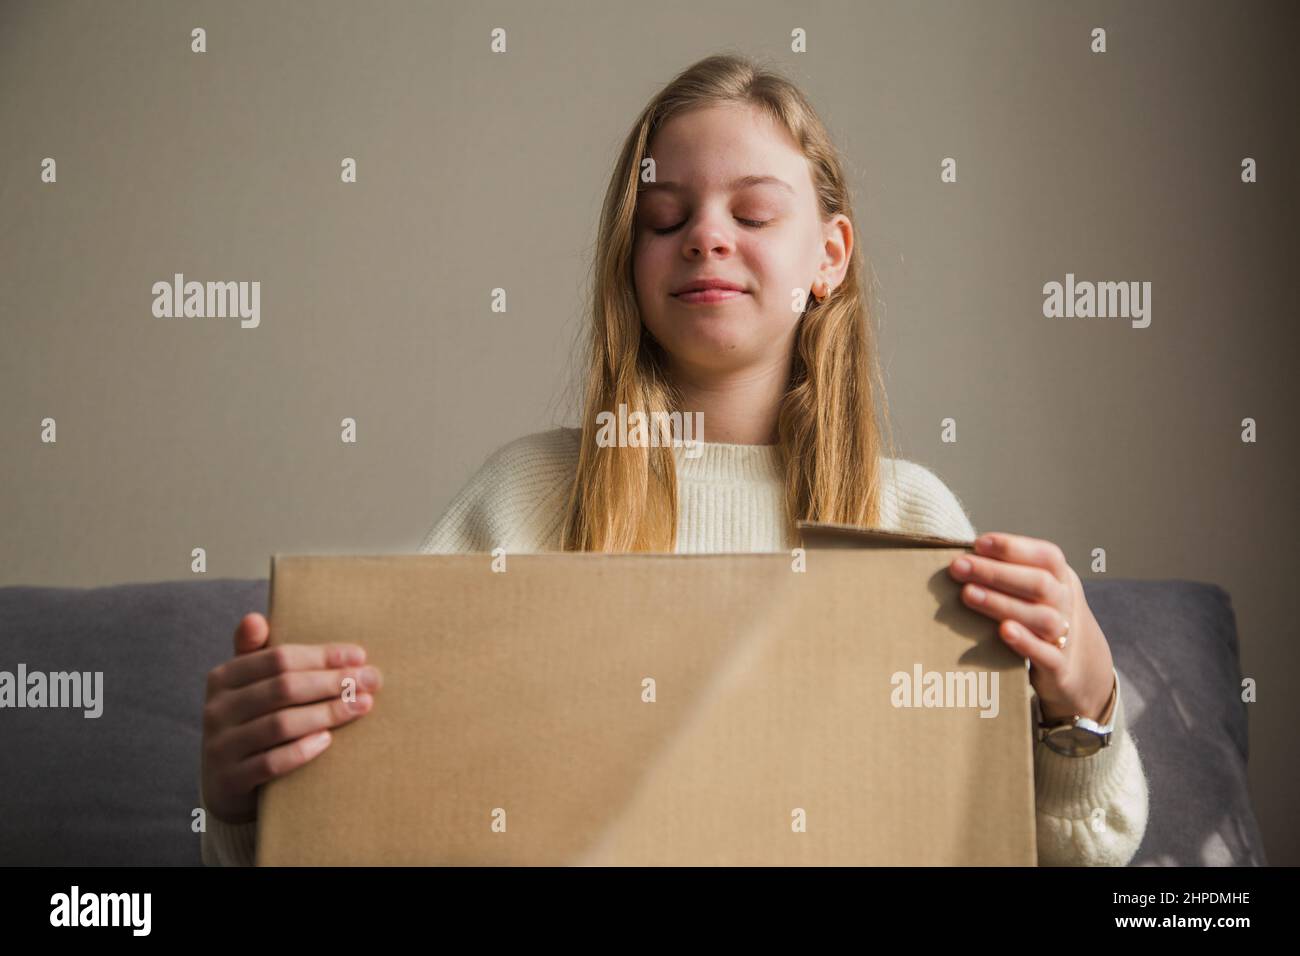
{"type": "Point", "coordinates": [370, 678]}
{"type": "Point", "coordinates": [976, 593]}
{"type": "Point", "coordinates": [361, 704]}
{"type": "Point", "coordinates": [962, 566]}
{"type": "Point", "coordinates": [356, 655]}
{"type": "Point", "coordinates": [316, 743]}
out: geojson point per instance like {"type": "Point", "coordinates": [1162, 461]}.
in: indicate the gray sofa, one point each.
{"type": "Point", "coordinates": [121, 788]}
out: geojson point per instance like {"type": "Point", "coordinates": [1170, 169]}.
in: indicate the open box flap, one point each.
{"type": "Point", "coordinates": [820, 534]}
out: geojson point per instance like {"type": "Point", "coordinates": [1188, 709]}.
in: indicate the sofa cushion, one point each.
{"type": "Point", "coordinates": [1175, 648]}
{"type": "Point", "coordinates": [120, 788]}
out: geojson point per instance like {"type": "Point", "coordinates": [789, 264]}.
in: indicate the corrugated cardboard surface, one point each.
{"type": "Point", "coordinates": [518, 696]}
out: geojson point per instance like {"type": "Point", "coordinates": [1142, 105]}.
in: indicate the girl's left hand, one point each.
{"type": "Point", "coordinates": [1026, 585]}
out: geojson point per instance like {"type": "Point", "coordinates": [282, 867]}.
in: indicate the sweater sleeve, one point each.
{"type": "Point", "coordinates": [1091, 811]}
{"type": "Point", "coordinates": [918, 500]}
{"type": "Point", "coordinates": [225, 844]}
{"type": "Point", "coordinates": [514, 501]}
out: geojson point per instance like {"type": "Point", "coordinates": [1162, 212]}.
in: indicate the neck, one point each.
{"type": "Point", "coordinates": [739, 407]}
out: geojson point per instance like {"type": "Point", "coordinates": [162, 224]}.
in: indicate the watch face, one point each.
{"type": "Point", "coordinates": [1074, 742]}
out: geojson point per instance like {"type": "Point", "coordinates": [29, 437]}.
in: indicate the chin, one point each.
{"type": "Point", "coordinates": [707, 338]}
{"type": "Point", "coordinates": [719, 351]}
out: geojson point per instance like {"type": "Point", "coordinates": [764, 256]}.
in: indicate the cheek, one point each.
{"type": "Point", "coordinates": [776, 268]}
{"type": "Point", "coordinates": [647, 277]}
{"type": "Point", "coordinates": [647, 264]}
{"type": "Point", "coordinates": [773, 251]}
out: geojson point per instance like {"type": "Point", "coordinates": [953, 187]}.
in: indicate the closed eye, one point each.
{"type": "Point", "coordinates": [752, 223]}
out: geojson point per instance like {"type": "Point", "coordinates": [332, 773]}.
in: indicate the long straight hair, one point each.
{"type": "Point", "coordinates": [829, 442]}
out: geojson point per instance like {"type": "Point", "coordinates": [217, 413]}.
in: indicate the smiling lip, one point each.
{"type": "Point", "coordinates": [708, 289]}
{"type": "Point", "coordinates": [709, 295]}
{"type": "Point", "coordinates": [708, 282]}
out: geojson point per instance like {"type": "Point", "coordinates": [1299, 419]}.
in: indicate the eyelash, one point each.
{"type": "Point", "coordinates": [753, 223]}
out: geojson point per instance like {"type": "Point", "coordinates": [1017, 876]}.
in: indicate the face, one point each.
{"type": "Point", "coordinates": [704, 219]}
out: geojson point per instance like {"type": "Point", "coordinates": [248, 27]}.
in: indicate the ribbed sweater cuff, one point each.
{"type": "Point", "coordinates": [226, 844]}
{"type": "Point", "coordinates": [1074, 787]}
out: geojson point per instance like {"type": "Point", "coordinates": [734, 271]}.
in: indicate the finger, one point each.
{"type": "Point", "coordinates": [251, 633]}
{"type": "Point", "coordinates": [1019, 549]}
{"type": "Point", "coordinates": [293, 687]}
{"type": "Point", "coordinates": [1024, 581]}
{"type": "Point", "coordinates": [289, 723]}
{"type": "Point", "coordinates": [266, 766]}
{"type": "Point", "coordinates": [1047, 657]}
{"type": "Point", "coordinates": [1045, 621]}
{"type": "Point", "coordinates": [270, 661]}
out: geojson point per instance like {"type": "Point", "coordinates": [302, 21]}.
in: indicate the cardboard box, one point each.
{"type": "Point", "coordinates": [516, 725]}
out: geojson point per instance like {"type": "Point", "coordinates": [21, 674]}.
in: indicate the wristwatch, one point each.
{"type": "Point", "coordinates": [1078, 736]}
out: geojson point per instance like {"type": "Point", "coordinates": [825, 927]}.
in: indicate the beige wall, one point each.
{"type": "Point", "coordinates": [480, 170]}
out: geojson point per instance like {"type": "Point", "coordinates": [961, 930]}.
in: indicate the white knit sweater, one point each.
{"type": "Point", "coordinates": [730, 498]}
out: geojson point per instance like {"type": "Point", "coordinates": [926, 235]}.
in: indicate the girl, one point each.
{"type": "Point", "coordinates": [728, 283]}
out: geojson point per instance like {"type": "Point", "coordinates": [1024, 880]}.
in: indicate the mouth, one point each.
{"type": "Point", "coordinates": [705, 296]}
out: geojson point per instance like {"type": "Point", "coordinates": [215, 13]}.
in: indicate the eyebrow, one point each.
{"type": "Point", "coordinates": [744, 182]}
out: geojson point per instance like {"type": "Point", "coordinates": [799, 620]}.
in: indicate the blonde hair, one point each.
{"type": "Point", "coordinates": [829, 443]}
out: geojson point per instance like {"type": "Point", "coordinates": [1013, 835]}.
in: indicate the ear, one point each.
{"type": "Point", "coordinates": [837, 249]}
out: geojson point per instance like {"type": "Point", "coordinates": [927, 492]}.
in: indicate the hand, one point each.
{"type": "Point", "coordinates": [252, 731]}
{"type": "Point", "coordinates": [1032, 592]}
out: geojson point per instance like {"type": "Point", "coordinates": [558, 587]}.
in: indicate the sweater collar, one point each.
{"type": "Point", "coordinates": [724, 461]}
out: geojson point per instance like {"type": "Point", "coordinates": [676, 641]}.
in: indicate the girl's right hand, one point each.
{"type": "Point", "coordinates": [269, 711]}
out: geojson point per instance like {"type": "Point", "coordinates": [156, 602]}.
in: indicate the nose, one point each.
{"type": "Point", "coordinates": [707, 235]}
